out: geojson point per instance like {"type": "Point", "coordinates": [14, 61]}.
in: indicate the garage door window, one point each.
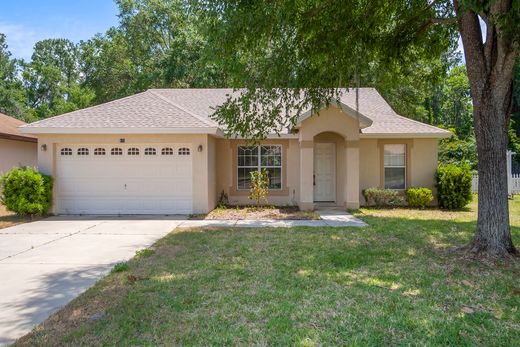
{"type": "Point", "coordinates": [82, 151]}
{"type": "Point", "coordinates": [66, 151]}
{"type": "Point", "coordinates": [99, 151]}
{"type": "Point", "coordinates": [184, 151]}
{"type": "Point", "coordinates": [116, 151]}
{"type": "Point", "coordinates": [133, 151]}
{"type": "Point", "coordinates": [150, 151]}
{"type": "Point", "coordinates": [167, 151]}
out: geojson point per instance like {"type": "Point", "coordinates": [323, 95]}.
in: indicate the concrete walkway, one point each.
{"type": "Point", "coordinates": [329, 218]}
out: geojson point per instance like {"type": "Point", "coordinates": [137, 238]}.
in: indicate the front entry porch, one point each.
{"type": "Point", "coordinates": [329, 169]}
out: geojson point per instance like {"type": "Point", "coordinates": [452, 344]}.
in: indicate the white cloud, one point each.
{"type": "Point", "coordinates": [20, 40]}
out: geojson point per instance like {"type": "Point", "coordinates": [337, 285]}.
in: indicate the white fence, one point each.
{"type": "Point", "coordinates": [515, 183]}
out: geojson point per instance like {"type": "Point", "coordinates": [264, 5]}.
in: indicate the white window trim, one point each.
{"type": "Point", "coordinates": [260, 167]}
{"type": "Point", "coordinates": [396, 166]}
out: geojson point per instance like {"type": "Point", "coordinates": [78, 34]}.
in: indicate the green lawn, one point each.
{"type": "Point", "coordinates": [393, 282]}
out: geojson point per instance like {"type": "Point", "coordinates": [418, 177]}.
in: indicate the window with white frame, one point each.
{"type": "Point", "coordinates": [116, 151]}
{"type": "Point", "coordinates": [167, 151]}
{"type": "Point", "coordinates": [257, 158]}
{"type": "Point", "coordinates": [395, 166]}
{"type": "Point", "coordinates": [150, 151]}
{"type": "Point", "coordinates": [183, 151]}
{"type": "Point", "coordinates": [66, 151]}
{"type": "Point", "coordinates": [133, 151]}
{"type": "Point", "coordinates": [99, 151]}
{"type": "Point", "coordinates": [83, 151]}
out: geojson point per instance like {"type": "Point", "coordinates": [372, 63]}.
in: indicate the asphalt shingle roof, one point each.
{"type": "Point", "coordinates": [192, 108]}
{"type": "Point", "coordinates": [9, 129]}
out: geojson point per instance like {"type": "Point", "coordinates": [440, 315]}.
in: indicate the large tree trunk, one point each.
{"type": "Point", "coordinates": [493, 235]}
{"type": "Point", "coordinates": [490, 66]}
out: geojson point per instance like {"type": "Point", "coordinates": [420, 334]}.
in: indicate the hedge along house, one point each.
{"type": "Point", "coordinates": [159, 152]}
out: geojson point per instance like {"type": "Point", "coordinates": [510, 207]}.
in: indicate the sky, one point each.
{"type": "Point", "coordinates": [26, 22]}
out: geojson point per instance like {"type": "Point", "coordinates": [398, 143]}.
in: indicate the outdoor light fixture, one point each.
{"type": "Point", "coordinates": [43, 147]}
{"type": "Point", "coordinates": [199, 148]}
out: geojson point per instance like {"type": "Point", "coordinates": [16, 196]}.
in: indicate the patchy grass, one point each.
{"type": "Point", "coordinates": [392, 283]}
{"type": "Point", "coordinates": [257, 213]}
{"type": "Point", "coordinates": [8, 218]}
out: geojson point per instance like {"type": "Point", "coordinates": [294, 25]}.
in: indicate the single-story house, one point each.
{"type": "Point", "coordinates": [16, 149]}
{"type": "Point", "coordinates": [159, 152]}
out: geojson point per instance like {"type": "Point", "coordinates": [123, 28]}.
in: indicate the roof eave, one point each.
{"type": "Point", "coordinates": [123, 130]}
{"type": "Point", "coordinates": [439, 135]}
{"type": "Point", "coordinates": [14, 137]}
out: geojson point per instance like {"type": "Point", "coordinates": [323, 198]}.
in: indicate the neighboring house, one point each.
{"type": "Point", "coordinates": [158, 152]}
{"type": "Point", "coordinates": [16, 149]}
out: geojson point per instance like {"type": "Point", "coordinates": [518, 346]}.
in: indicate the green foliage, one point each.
{"type": "Point", "coordinates": [144, 253]}
{"type": "Point", "coordinates": [453, 150]}
{"type": "Point", "coordinates": [25, 191]}
{"type": "Point", "coordinates": [383, 197]}
{"type": "Point", "coordinates": [11, 88]}
{"type": "Point", "coordinates": [259, 186]}
{"type": "Point", "coordinates": [309, 47]}
{"type": "Point", "coordinates": [453, 184]}
{"type": "Point", "coordinates": [223, 200]}
{"type": "Point", "coordinates": [419, 197]}
{"type": "Point", "coordinates": [120, 267]}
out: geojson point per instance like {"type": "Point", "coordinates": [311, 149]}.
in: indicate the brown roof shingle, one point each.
{"type": "Point", "coordinates": [9, 129]}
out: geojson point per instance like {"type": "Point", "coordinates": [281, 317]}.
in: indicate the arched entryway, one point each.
{"type": "Point", "coordinates": [329, 168]}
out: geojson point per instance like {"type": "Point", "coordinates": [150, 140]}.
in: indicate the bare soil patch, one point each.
{"type": "Point", "coordinates": [8, 218]}
{"type": "Point", "coordinates": [258, 213]}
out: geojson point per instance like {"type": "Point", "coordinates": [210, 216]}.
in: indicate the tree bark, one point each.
{"type": "Point", "coordinates": [490, 67]}
{"type": "Point", "coordinates": [493, 234]}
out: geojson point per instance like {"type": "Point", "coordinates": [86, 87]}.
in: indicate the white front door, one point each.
{"type": "Point", "coordinates": [324, 172]}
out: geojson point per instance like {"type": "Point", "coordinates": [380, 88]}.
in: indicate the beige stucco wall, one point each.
{"type": "Point", "coordinates": [358, 161]}
{"type": "Point", "coordinates": [319, 128]}
{"type": "Point", "coordinates": [203, 181]}
{"type": "Point", "coordinates": [421, 162]}
{"type": "Point", "coordinates": [226, 172]}
{"type": "Point", "coordinates": [17, 153]}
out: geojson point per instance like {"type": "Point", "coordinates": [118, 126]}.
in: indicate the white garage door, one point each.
{"type": "Point", "coordinates": [129, 179]}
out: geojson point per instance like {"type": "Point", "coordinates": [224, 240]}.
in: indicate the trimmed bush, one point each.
{"type": "Point", "coordinates": [25, 191]}
{"type": "Point", "coordinates": [453, 185]}
{"type": "Point", "coordinates": [419, 197]}
{"type": "Point", "coordinates": [383, 197]}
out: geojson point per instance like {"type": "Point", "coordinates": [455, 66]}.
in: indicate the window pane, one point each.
{"type": "Point", "coordinates": [394, 178]}
{"type": "Point", "coordinates": [244, 177]}
{"type": "Point", "coordinates": [395, 155]}
{"type": "Point", "coordinates": [247, 156]}
{"type": "Point", "coordinates": [275, 178]}
{"type": "Point", "coordinates": [271, 155]}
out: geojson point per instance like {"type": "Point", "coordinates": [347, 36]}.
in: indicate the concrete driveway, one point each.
{"type": "Point", "coordinates": [45, 264]}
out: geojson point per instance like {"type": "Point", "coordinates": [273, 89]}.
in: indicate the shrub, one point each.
{"type": "Point", "coordinates": [383, 197]}
{"type": "Point", "coordinates": [419, 197]}
{"type": "Point", "coordinates": [259, 186]}
{"type": "Point", "coordinates": [453, 185]}
{"type": "Point", "coordinates": [223, 200]}
{"type": "Point", "coordinates": [26, 191]}
{"type": "Point", "coordinates": [120, 267]}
